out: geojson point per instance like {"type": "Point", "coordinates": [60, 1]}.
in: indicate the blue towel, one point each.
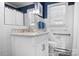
{"type": "Point", "coordinates": [41, 25]}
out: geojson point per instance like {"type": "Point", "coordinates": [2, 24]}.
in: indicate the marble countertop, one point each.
{"type": "Point", "coordinates": [29, 33]}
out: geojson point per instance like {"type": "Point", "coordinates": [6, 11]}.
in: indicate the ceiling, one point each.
{"type": "Point", "coordinates": [18, 4]}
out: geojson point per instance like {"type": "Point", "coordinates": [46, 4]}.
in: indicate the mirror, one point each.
{"type": "Point", "coordinates": [22, 13]}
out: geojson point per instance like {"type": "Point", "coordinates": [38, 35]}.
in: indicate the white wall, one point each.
{"type": "Point", "coordinates": [13, 17]}
{"type": "Point", "coordinates": [75, 50]}
{"type": "Point", "coordinates": [5, 34]}
{"type": "Point", "coordinates": [5, 38]}
{"type": "Point", "coordinates": [1, 23]}
{"type": "Point", "coordinates": [26, 19]}
{"type": "Point", "coordinates": [1, 13]}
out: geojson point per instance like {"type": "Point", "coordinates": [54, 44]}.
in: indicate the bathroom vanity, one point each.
{"type": "Point", "coordinates": [30, 44]}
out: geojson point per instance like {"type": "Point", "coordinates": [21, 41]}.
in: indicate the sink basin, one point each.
{"type": "Point", "coordinates": [25, 31]}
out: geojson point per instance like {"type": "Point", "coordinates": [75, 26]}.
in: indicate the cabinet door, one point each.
{"type": "Point", "coordinates": [22, 46]}
{"type": "Point", "coordinates": [41, 45]}
{"type": "Point", "coordinates": [41, 48]}
{"type": "Point", "coordinates": [59, 16]}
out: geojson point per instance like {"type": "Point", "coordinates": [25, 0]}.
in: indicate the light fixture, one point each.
{"type": "Point", "coordinates": [36, 8]}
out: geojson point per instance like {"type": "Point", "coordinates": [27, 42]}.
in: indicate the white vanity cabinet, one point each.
{"type": "Point", "coordinates": [30, 45]}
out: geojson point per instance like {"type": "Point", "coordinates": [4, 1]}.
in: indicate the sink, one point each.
{"type": "Point", "coordinates": [25, 31]}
